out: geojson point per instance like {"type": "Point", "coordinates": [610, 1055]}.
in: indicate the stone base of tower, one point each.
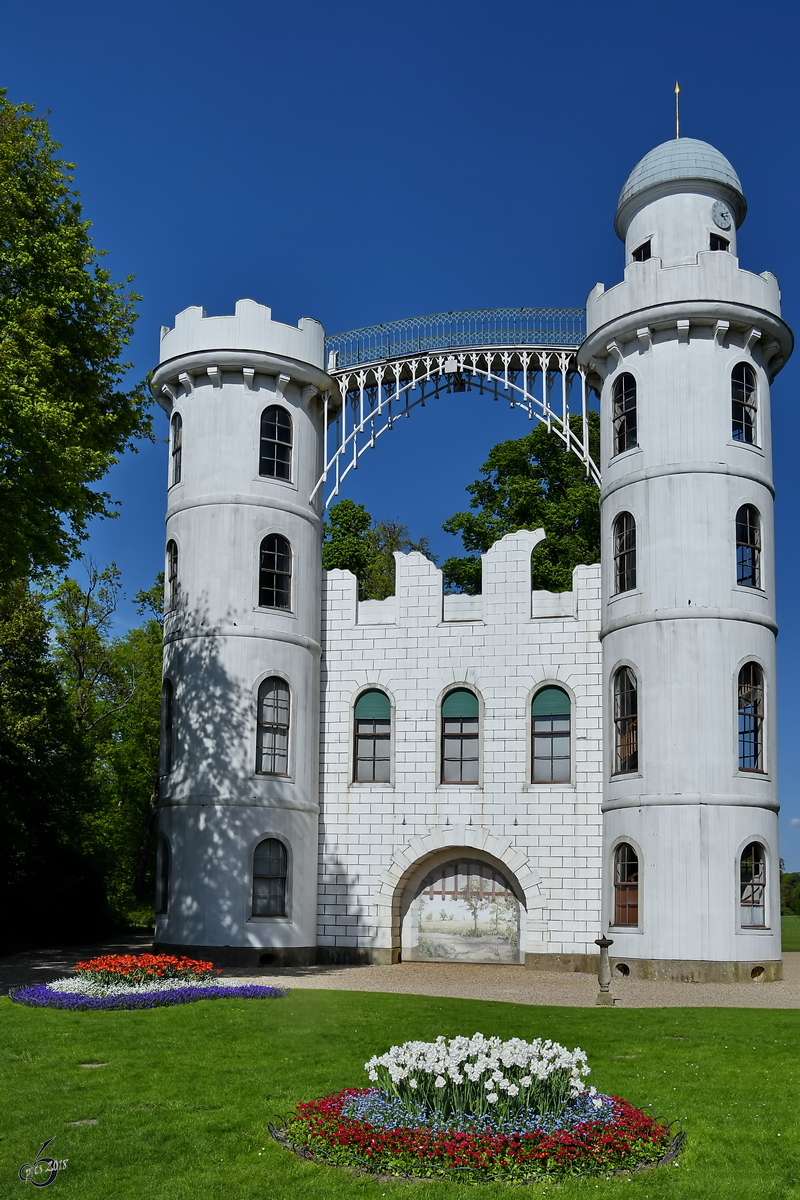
{"type": "Point", "coordinates": [689, 970]}
{"type": "Point", "coordinates": [668, 969]}
{"type": "Point", "coordinates": [282, 956]}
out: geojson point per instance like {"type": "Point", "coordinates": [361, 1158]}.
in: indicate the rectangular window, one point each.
{"type": "Point", "coordinates": [459, 750]}
{"type": "Point", "coordinates": [272, 733]}
{"type": "Point", "coordinates": [551, 754]}
{"type": "Point", "coordinates": [642, 253]}
{"type": "Point", "coordinates": [373, 748]}
{"type": "Point", "coordinates": [718, 243]}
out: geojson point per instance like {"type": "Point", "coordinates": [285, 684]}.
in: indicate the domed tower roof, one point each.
{"type": "Point", "coordinates": [675, 166]}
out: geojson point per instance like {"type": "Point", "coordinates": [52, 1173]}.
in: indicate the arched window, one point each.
{"type": "Point", "coordinates": [275, 573]}
{"type": "Point", "coordinates": [751, 718]}
{"type": "Point", "coordinates": [275, 454]}
{"type": "Point", "coordinates": [624, 537]}
{"type": "Point", "coordinates": [748, 547]}
{"type": "Point", "coordinates": [162, 875]}
{"type": "Point", "coordinates": [272, 729]}
{"type": "Point", "coordinates": [626, 718]}
{"type": "Point", "coordinates": [373, 737]}
{"type": "Point", "coordinates": [460, 737]}
{"type": "Point", "coordinates": [172, 576]}
{"type": "Point", "coordinates": [269, 879]}
{"type": "Point", "coordinates": [624, 413]}
{"type": "Point", "coordinates": [743, 403]}
{"type": "Point", "coordinates": [753, 886]}
{"type": "Point", "coordinates": [551, 736]}
{"type": "Point", "coordinates": [168, 720]}
{"type": "Point", "coordinates": [176, 448]}
{"type": "Point", "coordinates": [626, 885]}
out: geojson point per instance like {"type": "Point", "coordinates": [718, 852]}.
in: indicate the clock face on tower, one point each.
{"type": "Point", "coordinates": [721, 215]}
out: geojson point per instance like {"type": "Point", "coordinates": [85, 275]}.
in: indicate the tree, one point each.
{"type": "Point", "coordinates": [64, 417]}
{"type": "Point", "coordinates": [353, 543]}
{"type": "Point", "coordinates": [114, 688]}
{"type": "Point", "coordinates": [49, 880]}
{"type": "Point", "coordinates": [530, 482]}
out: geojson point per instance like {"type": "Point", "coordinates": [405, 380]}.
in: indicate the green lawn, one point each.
{"type": "Point", "coordinates": [183, 1101]}
{"type": "Point", "coordinates": [790, 933]}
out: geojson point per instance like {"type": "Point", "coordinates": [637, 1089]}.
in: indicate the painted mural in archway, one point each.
{"type": "Point", "coordinates": [464, 910]}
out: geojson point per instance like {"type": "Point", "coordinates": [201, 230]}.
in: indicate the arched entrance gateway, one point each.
{"type": "Point", "coordinates": [464, 910]}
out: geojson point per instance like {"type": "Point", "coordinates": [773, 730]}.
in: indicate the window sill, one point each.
{"type": "Point", "coordinates": [637, 929]}
{"type": "Point", "coordinates": [746, 930]}
{"type": "Point", "coordinates": [272, 479]}
{"type": "Point", "coordinates": [623, 454]}
{"type": "Point", "coordinates": [749, 772]}
{"type": "Point", "coordinates": [470, 787]}
{"type": "Point", "coordinates": [382, 785]}
{"type": "Point", "coordinates": [284, 612]}
{"type": "Point", "coordinates": [565, 785]}
{"type": "Point", "coordinates": [626, 775]}
{"type": "Point", "coordinates": [258, 920]}
{"type": "Point", "coordinates": [751, 446]}
{"type": "Point", "coordinates": [749, 590]}
{"type": "Point", "coordinates": [624, 595]}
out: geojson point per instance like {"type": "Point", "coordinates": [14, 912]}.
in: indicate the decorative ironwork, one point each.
{"type": "Point", "coordinates": [481, 327]}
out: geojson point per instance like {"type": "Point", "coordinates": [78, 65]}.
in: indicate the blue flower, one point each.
{"type": "Point", "coordinates": [41, 996]}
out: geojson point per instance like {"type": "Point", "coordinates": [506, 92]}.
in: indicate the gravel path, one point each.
{"type": "Point", "coordinates": [469, 981]}
{"type": "Point", "coordinates": [521, 986]}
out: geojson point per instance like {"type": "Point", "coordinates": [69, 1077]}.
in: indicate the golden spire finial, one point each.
{"type": "Point", "coordinates": [677, 110]}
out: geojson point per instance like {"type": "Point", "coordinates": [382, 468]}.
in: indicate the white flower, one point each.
{"type": "Point", "coordinates": [440, 1083]}
{"type": "Point", "coordinates": [512, 1090]}
{"type": "Point", "coordinates": [412, 1083]}
{"type": "Point", "coordinates": [526, 1081]}
{"type": "Point", "coordinates": [492, 1097]}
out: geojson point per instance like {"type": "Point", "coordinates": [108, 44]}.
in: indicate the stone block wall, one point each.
{"type": "Point", "coordinates": [415, 646]}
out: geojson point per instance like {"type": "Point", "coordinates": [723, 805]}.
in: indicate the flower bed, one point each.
{"type": "Point", "coordinates": [143, 968]}
{"type": "Point", "coordinates": [481, 1109]}
{"type": "Point", "coordinates": [140, 981]}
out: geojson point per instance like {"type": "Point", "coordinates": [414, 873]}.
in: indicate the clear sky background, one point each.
{"type": "Point", "coordinates": [362, 160]}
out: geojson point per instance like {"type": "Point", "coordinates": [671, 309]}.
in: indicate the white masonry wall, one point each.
{"type": "Point", "coordinates": [377, 840]}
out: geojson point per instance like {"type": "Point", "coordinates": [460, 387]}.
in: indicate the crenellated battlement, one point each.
{"type": "Point", "coordinates": [506, 600]}
{"type": "Point", "coordinates": [251, 327]}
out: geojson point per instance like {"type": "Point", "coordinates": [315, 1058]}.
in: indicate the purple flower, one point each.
{"type": "Point", "coordinates": [40, 996]}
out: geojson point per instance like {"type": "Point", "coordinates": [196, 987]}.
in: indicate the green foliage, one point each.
{"type": "Point", "coordinates": [790, 892]}
{"type": "Point", "coordinates": [183, 1104]}
{"type": "Point", "coordinates": [353, 543]}
{"type": "Point", "coordinates": [530, 482]}
{"type": "Point", "coordinates": [63, 324]}
{"type": "Point", "coordinates": [114, 688]}
{"type": "Point", "coordinates": [47, 803]}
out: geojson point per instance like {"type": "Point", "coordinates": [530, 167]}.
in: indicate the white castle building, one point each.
{"type": "Point", "coordinates": [505, 777]}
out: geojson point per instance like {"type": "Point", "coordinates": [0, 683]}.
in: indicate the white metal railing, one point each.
{"type": "Point", "coordinates": [373, 397]}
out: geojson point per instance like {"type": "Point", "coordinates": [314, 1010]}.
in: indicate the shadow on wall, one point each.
{"type": "Point", "coordinates": [207, 737]}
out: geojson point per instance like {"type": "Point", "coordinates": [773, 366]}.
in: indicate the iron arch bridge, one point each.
{"type": "Point", "coordinates": [523, 355]}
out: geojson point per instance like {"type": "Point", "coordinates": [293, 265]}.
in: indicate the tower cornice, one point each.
{"type": "Point", "coordinates": [776, 338]}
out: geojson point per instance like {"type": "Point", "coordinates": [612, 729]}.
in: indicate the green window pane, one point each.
{"type": "Point", "coordinates": [460, 703]}
{"type": "Point", "coordinates": [550, 702]}
{"type": "Point", "coordinates": [373, 706]}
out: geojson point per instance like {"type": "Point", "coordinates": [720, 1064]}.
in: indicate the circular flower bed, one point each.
{"type": "Point", "coordinates": [481, 1109]}
{"type": "Point", "coordinates": [139, 981]}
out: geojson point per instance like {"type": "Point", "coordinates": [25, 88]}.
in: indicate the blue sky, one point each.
{"type": "Point", "coordinates": [361, 161]}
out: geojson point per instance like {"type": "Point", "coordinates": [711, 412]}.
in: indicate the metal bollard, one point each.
{"type": "Point", "coordinates": [604, 996]}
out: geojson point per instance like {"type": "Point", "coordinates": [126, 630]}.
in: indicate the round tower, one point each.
{"type": "Point", "coordinates": [237, 857]}
{"type": "Point", "coordinates": [683, 352]}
